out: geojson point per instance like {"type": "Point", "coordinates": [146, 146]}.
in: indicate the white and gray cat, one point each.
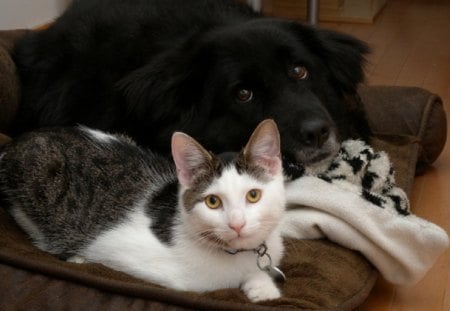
{"type": "Point", "coordinates": [206, 223]}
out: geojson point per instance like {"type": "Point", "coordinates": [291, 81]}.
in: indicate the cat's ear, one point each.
{"type": "Point", "coordinates": [263, 147]}
{"type": "Point", "coordinates": [189, 157]}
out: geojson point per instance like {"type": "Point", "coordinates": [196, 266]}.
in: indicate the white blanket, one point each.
{"type": "Point", "coordinates": [355, 203]}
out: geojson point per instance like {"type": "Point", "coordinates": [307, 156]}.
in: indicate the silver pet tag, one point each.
{"type": "Point", "coordinates": [275, 273]}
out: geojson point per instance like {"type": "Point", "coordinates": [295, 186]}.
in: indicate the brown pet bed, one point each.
{"type": "Point", "coordinates": [409, 124]}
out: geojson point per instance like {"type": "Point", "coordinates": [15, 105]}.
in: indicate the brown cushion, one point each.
{"type": "Point", "coordinates": [407, 115]}
{"type": "Point", "coordinates": [9, 83]}
{"type": "Point", "coordinates": [320, 274]}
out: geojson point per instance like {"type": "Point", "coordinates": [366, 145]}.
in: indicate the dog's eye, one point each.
{"type": "Point", "coordinates": [244, 95]}
{"type": "Point", "coordinates": [299, 73]}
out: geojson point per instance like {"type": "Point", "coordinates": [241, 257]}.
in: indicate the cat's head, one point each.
{"type": "Point", "coordinates": [231, 204]}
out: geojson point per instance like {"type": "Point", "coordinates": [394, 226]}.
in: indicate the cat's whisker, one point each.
{"type": "Point", "coordinates": [209, 238]}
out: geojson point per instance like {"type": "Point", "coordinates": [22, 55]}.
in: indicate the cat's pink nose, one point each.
{"type": "Point", "coordinates": [237, 227]}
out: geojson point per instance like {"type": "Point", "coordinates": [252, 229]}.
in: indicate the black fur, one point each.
{"type": "Point", "coordinates": [163, 210]}
{"type": "Point", "coordinates": [150, 67]}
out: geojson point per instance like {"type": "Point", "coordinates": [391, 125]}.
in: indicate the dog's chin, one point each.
{"type": "Point", "coordinates": [316, 160]}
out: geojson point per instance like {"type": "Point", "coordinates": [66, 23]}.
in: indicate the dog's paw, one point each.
{"type": "Point", "coordinates": [261, 288]}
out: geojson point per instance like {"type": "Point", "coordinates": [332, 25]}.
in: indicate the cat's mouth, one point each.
{"type": "Point", "coordinates": [240, 241]}
{"type": "Point", "coordinates": [243, 242]}
{"type": "Point", "coordinates": [223, 243]}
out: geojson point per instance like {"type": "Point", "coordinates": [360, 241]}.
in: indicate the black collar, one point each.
{"type": "Point", "coordinates": [260, 250]}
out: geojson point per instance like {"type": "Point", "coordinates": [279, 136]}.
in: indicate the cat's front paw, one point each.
{"type": "Point", "coordinates": [261, 288]}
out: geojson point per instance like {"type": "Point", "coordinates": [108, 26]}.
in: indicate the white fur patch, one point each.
{"type": "Point", "coordinates": [99, 135]}
{"type": "Point", "coordinates": [28, 225]}
{"type": "Point", "coordinates": [261, 287]}
{"type": "Point", "coordinates": [131, 247]}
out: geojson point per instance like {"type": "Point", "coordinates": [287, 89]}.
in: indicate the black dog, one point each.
{"type": "Point", "coordinates": [211, 68]}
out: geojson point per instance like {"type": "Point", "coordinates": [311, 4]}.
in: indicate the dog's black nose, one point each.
{"type": "Point", "coordinates": [314, 133]}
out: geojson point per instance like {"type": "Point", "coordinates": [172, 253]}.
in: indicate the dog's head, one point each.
{"type": "Point", "coordinates": [219, 85]}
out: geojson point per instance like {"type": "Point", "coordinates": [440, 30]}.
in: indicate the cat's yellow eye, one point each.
{"type": "Point", "coordinates": [213, 201]}
{"type": "Point", "coordinates": [253, 195]}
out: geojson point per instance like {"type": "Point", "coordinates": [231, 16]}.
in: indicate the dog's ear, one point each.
{"type": "Point", "coordinates": [159, 86]}
{"type": "Point", "coordinates": [342, 54]}
{"type": "Point", "coordinates": [345, 56]}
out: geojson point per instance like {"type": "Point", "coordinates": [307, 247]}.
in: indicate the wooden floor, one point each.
{"type": "Point", "coordinates": [411, 46]}
{"type": "Point", "coordinates": [410, 40]}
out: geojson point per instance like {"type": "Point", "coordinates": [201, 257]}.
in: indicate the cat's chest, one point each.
{"type": "Point", "coordinates": [203, 269]}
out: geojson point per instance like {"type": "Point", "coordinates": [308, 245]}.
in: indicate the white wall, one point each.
{"type": "Point", "coordinates": [29, 13]}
